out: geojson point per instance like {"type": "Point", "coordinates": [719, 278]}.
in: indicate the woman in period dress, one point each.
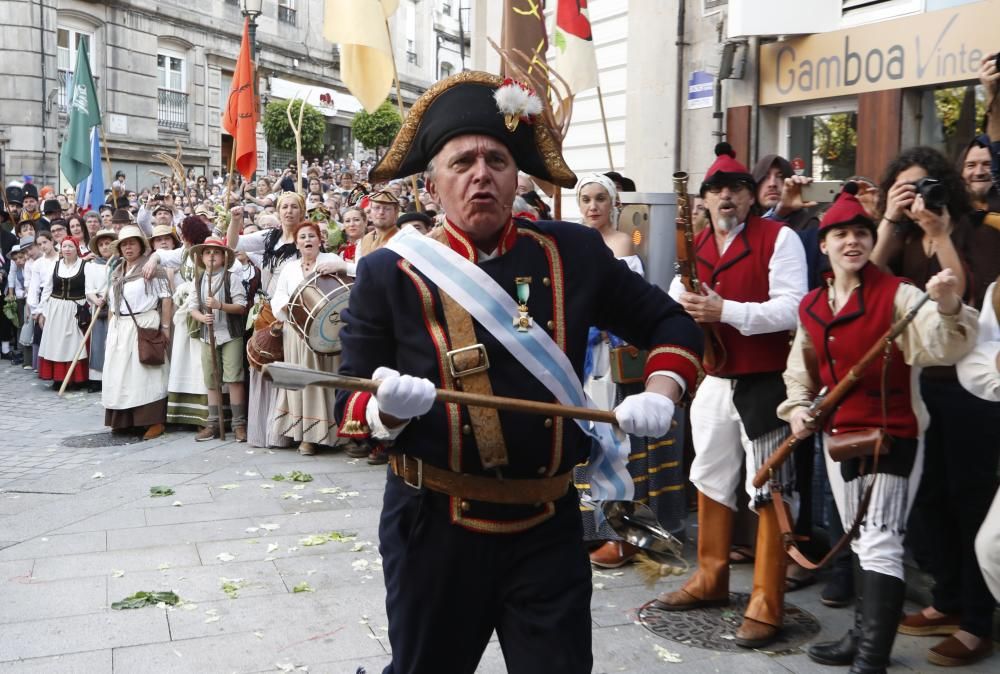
{"type": "Point", "coordinates": [355, 223]}
{"type": "Point", "coordinates": [653, 462]}
{"type": "Point", "coordinates": [845, 317]}
{"type": "Point", "coordinates": [63, 295]}
{"type": "Point", "coordinates": [136, 394]}
{"type": "Point", "coordinates": [41, 268]}
{"type": "Point", "coordinates": [276, 247]}
{"type": "Point", "coordinates": [306, 416]}
{"type": "Point", "coordinates": [102, 247]}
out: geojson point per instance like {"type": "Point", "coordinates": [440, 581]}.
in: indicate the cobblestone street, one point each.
{"type": "Point", "coordinates": [264, 586]}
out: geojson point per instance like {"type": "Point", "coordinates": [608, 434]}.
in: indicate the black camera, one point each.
{"type": "Point", "coordinates": [934, 193]}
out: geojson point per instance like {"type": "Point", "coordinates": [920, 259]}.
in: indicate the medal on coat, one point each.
{"type": "Point", "coordinates": [522, 321]}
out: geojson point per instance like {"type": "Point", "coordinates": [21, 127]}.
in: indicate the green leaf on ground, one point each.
{"type": "Point", "coordinates": [299, 476]}
{"type": "Point", "coordinates": [231, 586]}
{"type": "Point", "coordinates": [140, 599]}
{"type": "Point", "coordinates": [161, 491]}
{"type": "Point", "coordinates": [322, 539]}
{"type": "Point", "coordinates": [279, 478]}
{"type": "Point", "coordinates": [302, 587]}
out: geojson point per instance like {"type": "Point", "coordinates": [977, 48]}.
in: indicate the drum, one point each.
{"type": "Point", "coordinates": [314, 311]}
{"type": "Point", "coordinates": [265, 347]}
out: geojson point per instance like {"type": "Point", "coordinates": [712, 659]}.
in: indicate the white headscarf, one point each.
{"type": "Point", "coordinates": [608, 185]}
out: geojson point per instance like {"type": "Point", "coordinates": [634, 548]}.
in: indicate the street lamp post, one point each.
{"type": "Point", "coordinates": [252, 9]}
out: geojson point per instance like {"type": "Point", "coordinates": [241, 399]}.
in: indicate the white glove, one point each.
{"type": "Point", "coordinates": [646, 414]}
{"type": "Point", "coordinates": [403, 396]}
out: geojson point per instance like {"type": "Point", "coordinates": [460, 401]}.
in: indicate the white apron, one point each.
{"type": "Point", "coordinates": [127, 382]}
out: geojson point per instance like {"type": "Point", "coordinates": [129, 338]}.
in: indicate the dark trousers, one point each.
{"type": "Point", "coordinates": [448, 589]}
{"type": "Point", "coordinates": [956, 491]}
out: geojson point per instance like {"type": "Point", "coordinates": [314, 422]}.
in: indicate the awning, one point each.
{"type": "Point", "coordinates": [329, 101]}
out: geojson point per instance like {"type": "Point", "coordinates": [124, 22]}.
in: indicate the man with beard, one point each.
{"type": "Point", "coordinates": [754, 273]}
{"type": "Point", "coordinates": [382, 214]}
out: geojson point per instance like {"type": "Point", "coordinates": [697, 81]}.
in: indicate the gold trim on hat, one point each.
{"type": "Point", "coordinates": [387, 168]}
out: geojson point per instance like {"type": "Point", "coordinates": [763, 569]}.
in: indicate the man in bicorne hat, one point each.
{"type": "Point", "coordinates": [382, 213]}
{"type": "Point", "coordinates": [481, 528]}
{"type": "Point", "coordinates": [754, 271]}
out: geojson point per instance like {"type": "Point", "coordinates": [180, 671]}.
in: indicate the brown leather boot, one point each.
{"type": "Point", "coordinates": [766, 609]}
{"type": "Point", "coordinates": [154, 431]}
{"type": "Point", "coordinates": [709, 586]}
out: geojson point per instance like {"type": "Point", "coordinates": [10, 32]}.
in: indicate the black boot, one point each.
{"type": "Point", "coordinates": [881, 610]}
{"type": "Point", "coordinates": [841, 653]}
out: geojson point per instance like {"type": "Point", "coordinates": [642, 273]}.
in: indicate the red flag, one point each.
{"type": "Point", "coordinates": [240, 116]}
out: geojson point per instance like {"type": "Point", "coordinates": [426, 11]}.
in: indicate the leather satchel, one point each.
{"type": "Point", "coordinates": [628, 364]}
{"type": "Point", "coordinates": [153, 343]}
{"type": "Point", "coordinates": [858, 444]}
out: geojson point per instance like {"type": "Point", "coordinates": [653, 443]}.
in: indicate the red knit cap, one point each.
{"type": "Point", "coordinates": [726, 170]}
{"type": "Point", "coordinates": [846, 210]}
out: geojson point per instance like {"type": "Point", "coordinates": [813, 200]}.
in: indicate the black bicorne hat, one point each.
{"type": "Point", "coordinates": [465, 104]}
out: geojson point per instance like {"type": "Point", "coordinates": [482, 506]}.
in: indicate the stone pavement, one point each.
{"type": "Point", "coordinates": [80, 530]}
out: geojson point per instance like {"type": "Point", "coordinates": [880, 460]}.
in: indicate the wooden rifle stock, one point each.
{"type": "Point", "coordinates": [687, 264]}
{"type": "Point", "coordinates": [824, 405]}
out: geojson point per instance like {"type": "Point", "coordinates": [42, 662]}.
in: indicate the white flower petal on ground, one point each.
{"type": "Point", "coordinates": [665, 655]}
{"type": "Point", "coordinates": [225, 557]}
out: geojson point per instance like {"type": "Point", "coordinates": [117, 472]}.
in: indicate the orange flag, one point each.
{"type": "Point", "coordinates": [240, 116]}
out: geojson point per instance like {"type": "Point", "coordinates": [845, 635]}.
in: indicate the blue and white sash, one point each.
{"type": "Point", "coordinates": [494, 309]}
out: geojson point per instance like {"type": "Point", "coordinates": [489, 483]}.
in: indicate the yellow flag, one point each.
{"type": "Point", "coordinates": [359, 27]}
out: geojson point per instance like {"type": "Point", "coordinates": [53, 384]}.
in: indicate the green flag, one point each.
{"type": "Point", "coordinates": [84, 114]}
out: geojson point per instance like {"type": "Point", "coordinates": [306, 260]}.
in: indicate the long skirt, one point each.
{"type": "Point", "coordinates": [187, 397]}
{"type": "Point", "coordinates": [60, 340]}
{"type": "Point", "coordinates": [133, 393]}
{"type": "Point", "coordinates": [307, 415]}
{"type": "Point", "coordinates": [262, 400]}
{"type": "Point", "coordinates": [98, 341]}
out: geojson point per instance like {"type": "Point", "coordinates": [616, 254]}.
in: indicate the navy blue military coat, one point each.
{"type": "Point", "coordinates": [395, 319]}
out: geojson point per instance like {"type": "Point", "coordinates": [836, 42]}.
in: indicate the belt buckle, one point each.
{"type": "Point", "coordinates": [420, 473]}
{"type": "Point", "coordinates": [484, 361]}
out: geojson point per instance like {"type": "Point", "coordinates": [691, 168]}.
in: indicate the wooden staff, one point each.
{"type": "Point", "coordinates": [79, 352]}
{"type": "Point", "coordinates": [296, 378]}
{"type": "Point", "coordinates": [402, 113]}
{"type": "Point", "coordinates": [297, 131]}
{"type": "Point", "coordinates": [216, 370]}
{"type": "Point", "coordinates": [229, 184]}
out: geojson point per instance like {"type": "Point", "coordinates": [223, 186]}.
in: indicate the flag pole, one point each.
{"type": "Point", "coordinates": [604, 123]}
{"type": "Point", "coordinates": [402, 112]}
{"type": "Point", "coordinates": [107, 160]}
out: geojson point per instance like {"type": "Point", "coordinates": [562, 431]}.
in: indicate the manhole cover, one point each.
{"type": "Point", "coordinates": [714, 628]}
{"type": "Point", "coordinates": [101, 440]}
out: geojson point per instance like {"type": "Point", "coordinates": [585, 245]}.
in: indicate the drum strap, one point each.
{"type": "Point", "coordinates": [461, 359]}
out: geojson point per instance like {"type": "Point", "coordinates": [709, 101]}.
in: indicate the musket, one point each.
{"type": "Point", "coordinates": [824, 405]}
{"type": "Point", "coordinates": [687, 264]}
{"type": "Point", "coordinates": [295, 378]}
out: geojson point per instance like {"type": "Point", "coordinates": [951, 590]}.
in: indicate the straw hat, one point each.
{"type": "Point", "coordinates": [98, 235]}
{"type": "Point", "coordinates": [212, 242]}
{"type": "Point", "coordinates": [165, 230]}
{"type": "Point", "coordinates": [131, 232]}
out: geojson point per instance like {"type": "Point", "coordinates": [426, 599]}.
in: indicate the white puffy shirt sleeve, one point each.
{"type": "Point", "coordinates": [978, 372]}
{"type": "Point", "coordinates": [788, 284]}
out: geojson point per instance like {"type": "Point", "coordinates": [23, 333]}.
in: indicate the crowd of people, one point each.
{"type": "Point", "coordinates": [162, 292]}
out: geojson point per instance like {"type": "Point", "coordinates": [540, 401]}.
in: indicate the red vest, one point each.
{"type": "Point", "coordinates": [741, 275]}
{"type": "Point", "coordinates": [841, 341]}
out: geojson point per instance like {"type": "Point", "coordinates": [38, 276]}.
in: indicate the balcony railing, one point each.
{"type": "Point", "coordinates": [286, 15]}
{"type": "Point", "coordinates": [172, 111]}
{"type": "Point", "coordinates": [65, 78]}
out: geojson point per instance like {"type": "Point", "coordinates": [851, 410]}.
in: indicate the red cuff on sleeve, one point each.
{"type": "Point", "coordinates": [354, 424]}
{"type": "Point", "coordinates": [676, 359]}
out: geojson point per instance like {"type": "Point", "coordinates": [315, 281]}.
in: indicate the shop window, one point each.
{"type": "Point", "coordinates": [824, 146]}
{"type": "Point", "coordinates": [950, 116]}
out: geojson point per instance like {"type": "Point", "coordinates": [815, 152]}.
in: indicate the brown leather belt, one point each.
{"type": "Point", "coordinates": [418, 474]}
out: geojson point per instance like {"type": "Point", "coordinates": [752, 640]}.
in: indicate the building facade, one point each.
{"type": "Point", "coordinates": [163, 72]}
{"type": "Point", "coordinates": [840, 86]}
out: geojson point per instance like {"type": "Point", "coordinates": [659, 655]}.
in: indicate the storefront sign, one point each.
{"type": "Point", "coordinates": [701, 87]}
{"type": "Point", "coordinates": [931, 48]}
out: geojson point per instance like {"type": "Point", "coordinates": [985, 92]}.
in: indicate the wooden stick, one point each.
{"type": "Point", "coordinates": [218, 231]}
{"type": "Point", "coordinates": [79, 351]}
{"type": "Point", "coordinates": [297, 132]}
{"type": "Point", "coordinates": [216, 370]}
{"type": "Point", "coordinates": [294, 377]}
{"type": "Point", "coordinates": [402, 112]}
{"type": "Point", "coordinates": [604, 123]}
